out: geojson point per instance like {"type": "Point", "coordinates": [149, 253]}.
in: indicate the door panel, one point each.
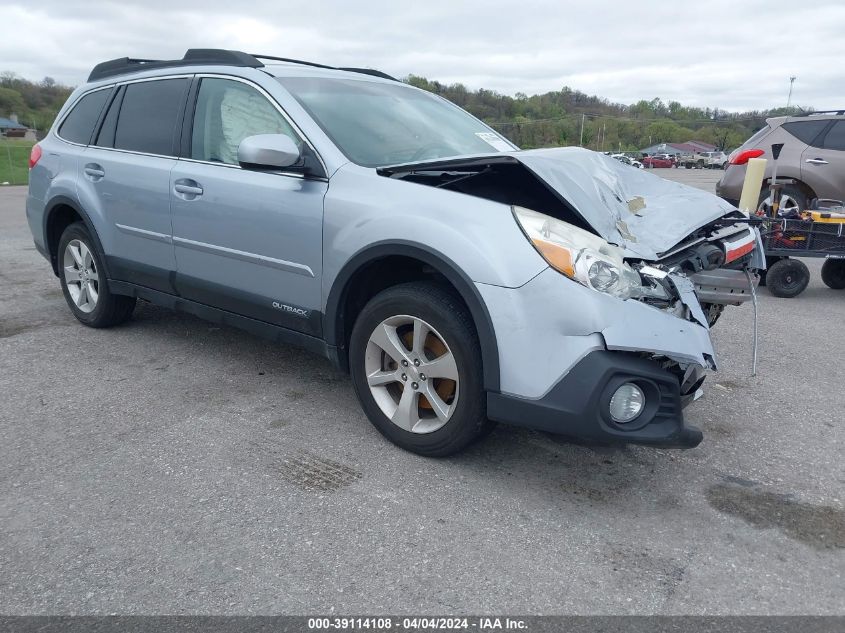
{"type": "Point", "coordinates": [127, 173]}
{"type": "Point", "coordinates": [134, 196]}
{"type": "Point", "coordinates": [250, 242]}
{"type": "Point", "coordinates": [246, 241]}
{"type": "Point", "coordinates": [823, 167]}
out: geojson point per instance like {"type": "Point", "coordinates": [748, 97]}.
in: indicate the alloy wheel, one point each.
{"type": "Point", "coordinates": [81, 276]}
{"type": "Point", "coordinates": [412, 374]}
{"type": "Point", "coordinates": [787, 203]}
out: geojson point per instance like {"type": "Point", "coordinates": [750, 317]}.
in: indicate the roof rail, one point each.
{"type": "Point", "coordinates": [364, 71]}
{"type": "Point", "coordinates": [822, 112]}
{"type": "Point", "coordinates": [208, 57]}
{"type": "Point", "coordinates": [193, 57]}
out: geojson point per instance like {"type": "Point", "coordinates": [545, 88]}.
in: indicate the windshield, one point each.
{"type": "Point", "coordinates": [376, 124]}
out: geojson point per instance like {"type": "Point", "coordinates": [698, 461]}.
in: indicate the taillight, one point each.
{"type": "Point", "coordinates": [740, 157]}
{"type": "Point", "coordinates": [34, 156]}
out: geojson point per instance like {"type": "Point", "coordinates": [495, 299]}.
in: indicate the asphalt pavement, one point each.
{"type": "Point", "coordinates": [172, 466]}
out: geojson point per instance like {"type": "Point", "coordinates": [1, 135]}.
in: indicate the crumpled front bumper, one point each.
{"type": "Point", "coordinates": [564, 349]}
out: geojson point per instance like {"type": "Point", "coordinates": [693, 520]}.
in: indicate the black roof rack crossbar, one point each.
{"type": "Point", "coordinates": [840, 112]}
{"type": "Point", "coordinates": [366, 71]}
{"type": "Point", "coordinates": [193, 57]}
{"type": "Point", "coordinates": [208, 57]}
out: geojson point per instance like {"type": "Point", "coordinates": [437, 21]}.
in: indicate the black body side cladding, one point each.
{"type": "Point", "coordinates": [268, 331]}
{"type": "Point", "coordinates": [52, 246]}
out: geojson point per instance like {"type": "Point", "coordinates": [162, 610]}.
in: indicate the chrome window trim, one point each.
{"type": "Point", "coordinates": [117, 85]}
{"type": "Point", "coordinates": [252, 84]}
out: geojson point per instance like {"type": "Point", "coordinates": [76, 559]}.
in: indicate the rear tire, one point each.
{"type": "Point", "coordinates": [392, 387]}
{"type": "Point", "coordinates": [84, 282]}
{"type": "Point", "coordinates": [833, 273]}
{"type": "Point", "coordinates": [787, 278]}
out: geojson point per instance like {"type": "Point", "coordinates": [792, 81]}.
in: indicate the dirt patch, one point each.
{"type": "Point", "coordinates": [316, 474]}
{"type": "Point", "coordinates": [820, 527]}
{"type": "Point", "coordinates": [13, 327]}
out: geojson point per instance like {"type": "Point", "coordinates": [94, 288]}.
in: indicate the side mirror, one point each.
{"type": "Point", "coordinates": [268, 151]}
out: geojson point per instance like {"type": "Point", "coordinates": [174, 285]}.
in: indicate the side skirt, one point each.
{"type": "Point", "coordinates": [267, 331]}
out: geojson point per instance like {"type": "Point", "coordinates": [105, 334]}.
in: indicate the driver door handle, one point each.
{"type": "Point", "coordinates": [816, 161]}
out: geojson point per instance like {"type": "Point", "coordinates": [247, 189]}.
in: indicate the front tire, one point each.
{"type": "Point", "coordinates": [84, 282]}
{"type": "Point", "coordinates": [787, 278]}
{"type": "Point", "coordinates": [833, 273]}
{"type": "Point", "coordinates": [415, 361]}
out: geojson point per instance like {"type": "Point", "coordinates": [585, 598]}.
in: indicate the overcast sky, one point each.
{"type": "Point", "coordinates": [735, 54]}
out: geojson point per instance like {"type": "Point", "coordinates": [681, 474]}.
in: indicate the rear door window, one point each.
{"type": "Point", "coordinates": [805, 131]}
{"type": "Point", "coordinates": [835, 138]}
{"type": "Point", "coordinates": [149, 115]}
{"type": "Point", "coordinates": [79, 124]}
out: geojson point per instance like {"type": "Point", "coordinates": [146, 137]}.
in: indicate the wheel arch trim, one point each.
{"type": "Point", "coordinates": [52, 249]}
{"type": "Point", "coordinates": [334, 320]}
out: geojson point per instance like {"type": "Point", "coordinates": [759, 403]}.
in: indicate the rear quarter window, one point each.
{"type": "Point", "coordinates": [79, 123]}
{"type": "Point", "coordinates": [805, 131]}
{"type": "Point", "coordinates": [148, 116]}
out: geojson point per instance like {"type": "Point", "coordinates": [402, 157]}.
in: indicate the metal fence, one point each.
{"type": "Point", "coordinates": [14, 161]}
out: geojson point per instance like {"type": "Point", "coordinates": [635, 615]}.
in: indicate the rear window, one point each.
{"type": "Point", "coordinates": [79, 124]}
{"type": "Point", "coordinates": [757, 136]}
{"type": "Point", "coordinates": [805, 131]}
{"type": "Point", "coordinates": [835, 138]}
{"type": "Point", "coordinates": [148, 116]}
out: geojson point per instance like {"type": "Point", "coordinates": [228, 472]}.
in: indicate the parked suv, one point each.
{"type": "Point", "coordinates": [811, 163]}
{"type": "Point", "coordinates": [716, 160]}
{"type": "Point", "coordinates": [459, 280]}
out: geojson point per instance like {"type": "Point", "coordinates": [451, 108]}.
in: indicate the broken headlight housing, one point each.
{"type": "Point", "coordinates": [580, 255]}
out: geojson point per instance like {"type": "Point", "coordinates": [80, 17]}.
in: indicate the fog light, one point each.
{"type": "Point", "coordinates": [626, 403]}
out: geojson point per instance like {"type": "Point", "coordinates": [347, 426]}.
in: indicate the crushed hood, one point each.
{"type": "Point", "coordinates": [632, 208]}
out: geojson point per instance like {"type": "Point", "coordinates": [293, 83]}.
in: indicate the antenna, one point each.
{"type": "Point", "coordinates": [789, 98]}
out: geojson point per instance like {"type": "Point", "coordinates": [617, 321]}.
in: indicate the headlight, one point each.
{"type": "Point", "coordinates": [578, 254]}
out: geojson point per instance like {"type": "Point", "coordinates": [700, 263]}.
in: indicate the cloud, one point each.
{"type": "Point", "coordinates": [727, 54]}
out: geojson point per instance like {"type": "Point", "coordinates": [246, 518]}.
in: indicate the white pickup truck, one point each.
{"type": "Point", "coordinates": [703, 160]}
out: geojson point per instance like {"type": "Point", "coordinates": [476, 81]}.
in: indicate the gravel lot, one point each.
{"type": "Point", "coordinates": [170, 466]}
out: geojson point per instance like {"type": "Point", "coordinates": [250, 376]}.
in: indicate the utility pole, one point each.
{"type": "Point", "coordinates": [581, 140]}
{"type": "Point", "coordinates": [789, 98]}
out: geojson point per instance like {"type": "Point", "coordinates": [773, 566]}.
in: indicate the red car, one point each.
{"type": "Point", "coordinates": [656, 161]}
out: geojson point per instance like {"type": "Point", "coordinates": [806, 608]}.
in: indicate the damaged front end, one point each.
{"type": "Point", "coordinates": [675, 255]}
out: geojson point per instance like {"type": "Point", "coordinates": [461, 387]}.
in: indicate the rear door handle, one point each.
{"type": "Point", "coordinates": [94, 171]}
{"type": "Point", "coordinates": [816, 161]}
{"type": "Point", "coordinates": [187, 188]}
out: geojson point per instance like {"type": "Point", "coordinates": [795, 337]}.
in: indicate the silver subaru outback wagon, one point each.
{"type": "Point", "coordinates": [459, 280]}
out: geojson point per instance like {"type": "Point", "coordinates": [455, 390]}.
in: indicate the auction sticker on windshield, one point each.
{"type": "Point", "coordinates": [495, 141]}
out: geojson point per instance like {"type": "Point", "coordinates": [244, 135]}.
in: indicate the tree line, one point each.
{"type": "Point", "coordinates": [556, 118]}
{"type": "Point", "coordinates": [36, 104]}
{"type": "Point", "coordinates": [571, 117]}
